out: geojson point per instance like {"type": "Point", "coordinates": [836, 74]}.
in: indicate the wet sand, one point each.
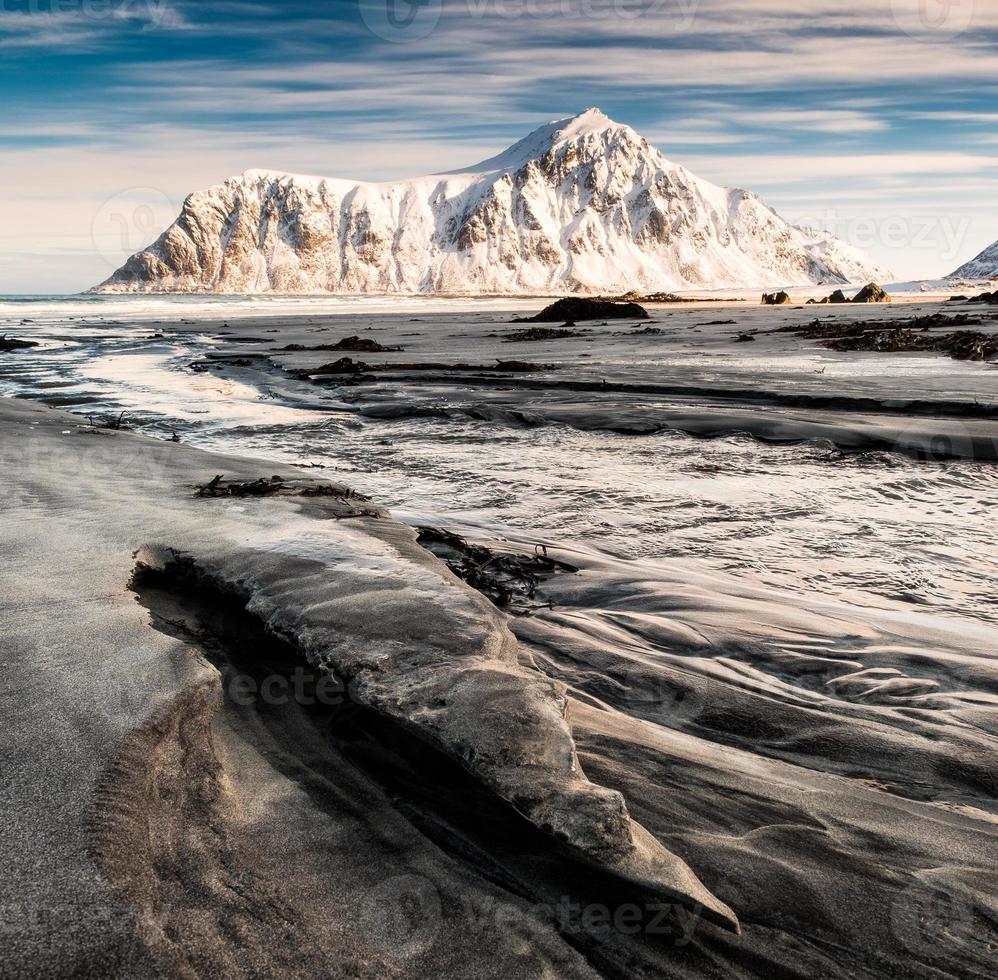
{"type": "Point", "coordinates": [819, 754]}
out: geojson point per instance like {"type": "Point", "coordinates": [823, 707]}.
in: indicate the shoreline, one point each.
{"type": "Point", "coordinates": [822, 766]}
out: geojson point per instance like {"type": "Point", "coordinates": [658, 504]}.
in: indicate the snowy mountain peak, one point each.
{"type": "Point", "coordinates": [984, 266]}
{"type": "Point", "coordinates": [589, 121]}
{"type": "Point", "coordinates": [581, 204]}
{"type": "Point", "coordinates": [591, 118]}
{"type": "Point", "coordinates": [549, 138]}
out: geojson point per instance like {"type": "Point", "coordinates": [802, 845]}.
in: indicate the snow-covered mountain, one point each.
{"type": "Point", "coordinates": [580, 205]}
{"type": "Point", "coordinates": [985, 266]}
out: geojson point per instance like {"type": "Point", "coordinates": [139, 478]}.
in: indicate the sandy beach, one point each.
{"type": "Point", "coordinates": [269, 725]}
{"type": "Point", "coordinates": [498, 490]}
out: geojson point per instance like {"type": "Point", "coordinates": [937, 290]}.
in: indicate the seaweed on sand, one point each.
{"type": "Point", "coordinates": [362, 344]}
{"type": "Point", "coordinates": [347, 365]}
{"type": "Point", "coordinates": [268, 486]}
{"type": "Point", "coordinates": [509, 580]}
{"type": "Point", "coordinates": [911, 335]}
{"type": "Point", "coordinates": [115, 424]}
{"type": "Point", "coordinates": [543, 333]}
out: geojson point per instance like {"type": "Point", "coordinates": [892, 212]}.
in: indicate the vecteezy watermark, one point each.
{"type": "Point", "coordinates": [400, 21]}
{"type": "Point", "coordinates": [933, 20]}
{"type": "Point", "coordinates": [405, 914]}
{"type": "Point", "coordinates": [64, 917]}
{"type": "Point", "coordinates": [302, 687]}
{"type": "Point", "coordinates": [933, 441]}
{"type": "Point", "coordinates": [679, 14]}
{"type": "Point", "coordinates": [668, 921]}
{"type": "Point", "coordinates": [129, 221]}
{"type": "Point", "coordinates": [943, 236]}
{"type": "Point", "coordinates": [402, 915]}
{"type": "Point", "coordinates": [150, 13]}
{"type": "Point", "coordinates": [412, 20]}
{"type": "Point", "coordinates": [646, 689]}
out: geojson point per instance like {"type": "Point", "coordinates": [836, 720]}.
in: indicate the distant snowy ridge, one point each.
{"type": "Point", "coordinates": [985, 266]}
{"type": "Point", "coordinates": [580, 205]}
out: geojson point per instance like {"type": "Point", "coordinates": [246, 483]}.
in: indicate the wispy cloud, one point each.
{"type": "Point", "coordinates": [843, 101]}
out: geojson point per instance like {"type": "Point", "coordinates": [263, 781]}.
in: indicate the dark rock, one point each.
{"type": "Point", "coordinates": [871, 293]}
{"type": "Point", "coordinates": [776, 299]}
{"type": "Point", "coordinates": [837, 297]}
{"type": "Point", "coordinates": [8, 344]}
{"type": "Point", "coordinates": [991, 298]}
{"type": "Point", "coordinates": [744, 338]}
{"type": "Point", "coordinates": [578, 308]}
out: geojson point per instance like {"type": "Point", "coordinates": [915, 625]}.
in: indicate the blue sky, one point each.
{"type": "Point", "coordinates": [877, 120]}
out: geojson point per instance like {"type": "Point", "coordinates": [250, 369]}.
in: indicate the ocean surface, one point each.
{"type": "Point", "coordinates": [875, 528]}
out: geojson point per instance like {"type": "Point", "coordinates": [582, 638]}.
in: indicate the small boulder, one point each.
{"type": "Point", "coordinates": [871, 293]}
{"type": "Point", "coordinates": [13, 343]}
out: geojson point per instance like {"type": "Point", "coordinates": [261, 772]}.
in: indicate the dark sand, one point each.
{"type": "Point", "coordinates": [825, 768]}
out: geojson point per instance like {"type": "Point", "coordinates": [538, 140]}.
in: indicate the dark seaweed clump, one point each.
{"type": "Point", "coordinates": [914, 335]}
{"type": "Point", "coordinates": [510, 581]}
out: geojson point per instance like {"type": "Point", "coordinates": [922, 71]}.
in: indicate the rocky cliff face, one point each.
{"type": "Point", "coordinates": [985, 266]}
{"type": "Point", "coordinates": [580, 205]}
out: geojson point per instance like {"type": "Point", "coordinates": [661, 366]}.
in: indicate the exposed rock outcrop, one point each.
{"type": "Point", "coordinates": [871, 293]}
{"type": "Point", "coordinates": [776, 299]}
{"type": "Point", "coordinates": [8, 344]}
{"type": "Point", "coordinates": [576, 308]}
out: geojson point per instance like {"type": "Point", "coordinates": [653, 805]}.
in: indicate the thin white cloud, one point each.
{"type": "Point", "coordinates": [788, 169]}
{"type": "Point", "coordinates": [844, 121]}
{"type": "Point", "coordinates": [476, 71]}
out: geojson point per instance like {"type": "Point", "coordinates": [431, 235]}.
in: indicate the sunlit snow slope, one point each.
{"type": "Point", "coordinates": [580, 205]}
